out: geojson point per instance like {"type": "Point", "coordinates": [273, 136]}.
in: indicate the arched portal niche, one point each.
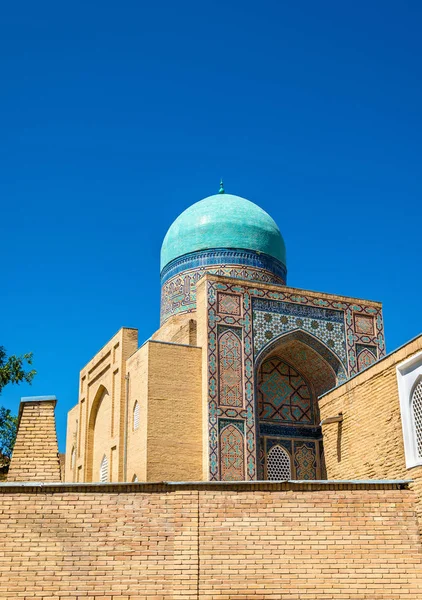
{"type": "Point", "coordinates": [99, 424]}
{"type": "Point", "coordinates": [291, 373]}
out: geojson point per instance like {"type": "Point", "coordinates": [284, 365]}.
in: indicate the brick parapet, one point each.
{"type": "Point", "coordinates": [210, 486]}
{"type": "Point", "coordinates": [268, 540]}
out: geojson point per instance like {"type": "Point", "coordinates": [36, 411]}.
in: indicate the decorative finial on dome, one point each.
{"type": "Point", "coordinates": [221, 190]}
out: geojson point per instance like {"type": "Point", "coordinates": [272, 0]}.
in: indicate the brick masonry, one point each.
{"type": "Point", "coordinates": [36, 454]}
{"type": "Point", "coordinates": [368, 444]}
{"type": "Point", "coordinates": [238, 541]}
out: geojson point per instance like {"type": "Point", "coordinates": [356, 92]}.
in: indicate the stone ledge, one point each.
{"type": "Point", "coordinates": [236, 486]}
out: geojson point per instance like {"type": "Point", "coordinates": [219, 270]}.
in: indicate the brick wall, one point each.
{"type": "Point", "coordinates": [165, 379]}
{"type": "Point", "coordinates": [180, 329]}
{"type": "Point", "coordinates": [237, 541]}
{"type": "Point", "coordinates": [35, 454]}
{"type": "Point", "coordinates": [368, 444]}
{"type": "Point", "coordinates": [174, 413]}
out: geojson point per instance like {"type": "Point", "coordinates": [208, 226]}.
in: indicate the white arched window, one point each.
{"type": "Point", "coordinates": [73, 458]}
{"type": "Point", "coordinates": [135, 479]}
{"type": "Point", "coordinates": [409, 378]}
{"type": "Point", "coordinates": [417, 416]}
{"type": "Point", "coordinates": [136, 415]}
{"type": "Point", "coordinates": [104, 470]}
{"type": "Point", "coordinates": [278, 464]}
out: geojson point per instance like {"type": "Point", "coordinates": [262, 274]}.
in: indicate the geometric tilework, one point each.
{"type": "Point", "coordinates": [232, 454]}
{"type": "Point", "coordinates": [318, 364]}
{"type": "Point", "coordinates": [283, 395]}
{"type": "Point", "coordinates": [364, 324]}
{"type": "Point", "coordinates": [230, 369]}
{"type": "Point", "coordinates": [305, 461]}
{"type": "Point", "coordinates": [228, 304]}
{"type": "Point", "coordinates": [271, 319]}
{"type": "Point", "coordinates": [304, 458]}
{"type": "Point", "coordinates": [178, 295]}
{"type": "Point", "coordinates": [365, 359]}
{"type": "Point", "coordinates": [223, 257]}
{"type": "Point", "coordinates": [278, 464]}
{"type": "Point", "coordinates": [373, 349]}
{"type": "Point", "coordinates": [340, 358]}
{"type": "Point", "coordinates": [179, 278]}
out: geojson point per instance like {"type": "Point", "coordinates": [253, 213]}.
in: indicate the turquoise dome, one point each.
{"type": "Point", "coordinates": [223, 221]}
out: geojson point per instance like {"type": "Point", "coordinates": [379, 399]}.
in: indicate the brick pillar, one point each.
{"type": "Point", "coordinates": [35, 455]}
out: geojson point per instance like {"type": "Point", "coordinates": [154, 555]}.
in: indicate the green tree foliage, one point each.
{"type": "Point", "coordinates": [12, 370]}
{"type": "Point", "coordinates": [8, 427]}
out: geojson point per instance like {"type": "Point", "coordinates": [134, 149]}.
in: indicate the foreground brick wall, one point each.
{"type": "Point", "coordinates": [36, 454]}
{"type": "Point", "coordinates": [368, 444]}
{"type": "Point", "coordinates": [238, 541]}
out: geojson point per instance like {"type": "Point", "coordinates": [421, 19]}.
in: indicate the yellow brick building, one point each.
{"type": "Point", "coordinates": [234, 384]}
{"type": "Point", "coordinates": [259, 445]}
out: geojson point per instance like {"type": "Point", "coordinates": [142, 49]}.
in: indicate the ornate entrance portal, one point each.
{"type": "Point", "coordinates": [290, 377]}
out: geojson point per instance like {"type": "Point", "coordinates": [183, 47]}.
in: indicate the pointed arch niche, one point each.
{"type": "Point", "coordinates": [99, 431]}
{"type": "Point", "coordinates": [232, 453]}
{"type": "Point", "coordinates": [291, 373]}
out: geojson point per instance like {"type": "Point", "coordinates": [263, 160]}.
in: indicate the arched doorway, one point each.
{"type": "Point", "coordinates": [291, 373]}
{"type": "Point", "coordinates": [98, 444]}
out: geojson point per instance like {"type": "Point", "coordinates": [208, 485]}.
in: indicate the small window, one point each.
{"type": "Point", "coordinates": [417, 416]}
{"type": "Point", "coordinates": [104, 470]}
{"type": "Point", "coordinates": [278, 464]}
{"type": "Point", "coordinates": [135, 479]}
{"type": "Point", "coordinates": [73, 458]}
{"type": "Point", "coordinates": [135, 416]}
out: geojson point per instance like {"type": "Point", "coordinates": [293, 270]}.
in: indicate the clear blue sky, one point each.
{"type": "Point", "coordinates": [116, 116]}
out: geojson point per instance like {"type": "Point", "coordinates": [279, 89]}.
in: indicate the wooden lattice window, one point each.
{"type": "Point", "coordinates": [417, 416]}
{"type": "Point", "coordinates": [136, 410]}
{"type": "Point", "coordinates": [278, 464]}
{"type": "Point", "coordinates": [104, 470]}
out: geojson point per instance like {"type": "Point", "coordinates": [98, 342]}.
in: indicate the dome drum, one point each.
{"type": "Point", "coordinates": [225, 257]}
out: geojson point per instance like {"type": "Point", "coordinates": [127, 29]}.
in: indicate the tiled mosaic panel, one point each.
{"type": "Point", "coordinates": [364, 324]}
{"type": "Point", "coordinates": [232, 454]}
{"type": "Point", "coordinates": [365, 359]}
{"type": "Point", "coordinates": [283, 395]}
{"type": "Point", "coordinates": [372, 349]}
{"type": "Point", "coordinates": [217, 414]}
{"type": "Point", "coordinates": [316, 364]}
{"type": "Point", "coordinates": [217, 324]}
{"type": "Point", "coordinates": [223, 257]}
{"type": "Point", "coordinates": [178, 294]}
{"type": "Point", "coordinates": [271, 319]}
{"type": "Point", "coordinates": [230, 369]}
{"type": "Point", "coordinates": [228, 304]}
{"type": "Point", "coordinates": [303, 458]}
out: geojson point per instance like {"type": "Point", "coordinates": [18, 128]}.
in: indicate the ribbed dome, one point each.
{"type": "Point", "coordinates": [223, 221]}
